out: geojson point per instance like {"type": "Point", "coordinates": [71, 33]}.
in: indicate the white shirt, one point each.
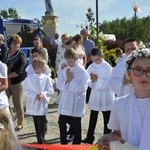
{"type": "Point", "coordinates": [32, 85]}
{"type": "Point", "coordinates": [63, 61]}
{"type": "Point", "coordinates": [120, 59]}
{"type": "Point", "coordinates": [101, 96]}
{"type": "Point", "coordinates": [45, 53]}
{"type": "Point", "coordinates": [3, 96]}
{"type": "Point", "coordinates": [125, 117]}
{"type": "Point", "coordinates": [73, 93]}
{"type": "Point", "coordinates": [117, 79]}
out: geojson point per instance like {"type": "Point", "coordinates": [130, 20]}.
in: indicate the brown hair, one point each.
{"type": "Point", "coordinates": [77, 37]}
{"type": "Point", "coordinates": [14, 38]}
{"type": "Point", "coordinates": [37, 50]}
{"type": "Point", "coordinates": [97, 51]}
{"type": "Point", "coordinates": [131, 39]}
{"type": "Point", "coordinates": [119, 51]}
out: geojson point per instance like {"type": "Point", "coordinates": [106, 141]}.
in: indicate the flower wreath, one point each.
{"type": "Point", "coordinates": [145, 52]}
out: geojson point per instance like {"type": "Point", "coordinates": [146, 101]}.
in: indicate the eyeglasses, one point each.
{"type": "Point", "coordinates": [140, 72]}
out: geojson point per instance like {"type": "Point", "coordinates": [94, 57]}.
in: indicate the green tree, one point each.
{"type": "Point", "coordinates": [99, 40]}
{"type": "Point", "coordinates": [10, 13]}
{"type": "Point", "coordinates": [92, 29]}
{"type": "Point", "coordinates": [124, 28]}
{"type": "Point", "coordinates": [4, 13]}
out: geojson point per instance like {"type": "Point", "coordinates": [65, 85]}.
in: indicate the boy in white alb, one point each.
{"type": "Point", "coordinates": [38, 89]}
{"type": "Point", "coordinates": [120, 56]}
{"type": "Point", "coordinates": [72, 82]}
{"type": "Point", "coordinates": [37, 53]}
{"type": "Point", "coordinates": [119, 81]}
{"type": "Point", "coordinates": [101, 96]}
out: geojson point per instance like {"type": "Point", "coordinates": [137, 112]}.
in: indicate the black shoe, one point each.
{"type": "Point", "coordinates": [88, 140]}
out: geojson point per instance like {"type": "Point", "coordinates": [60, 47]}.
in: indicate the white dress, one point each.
{"type": "Point", "coordinates": [102, 96]}
{"type": "Point", "coordinates": [81, 54]}
{"type": "Point", "coordinates": [3, 96]}
{"type": "Point", "coordinates": [117, 79]}
{"type": "Point", "coordinates": [32, 85]}
{"type": "Point", "coordinates": [59, 55]}
{"type": "Point", "coordinates": [73, 94]}
{"type": "Point", "coordinates": [125, 116]}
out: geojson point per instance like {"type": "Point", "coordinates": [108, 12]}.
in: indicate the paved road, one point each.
{"type": "Point", "coordinates": [27, 134]}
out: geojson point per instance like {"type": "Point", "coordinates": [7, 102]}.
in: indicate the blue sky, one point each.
{"type": "Point", "coordinates": [72, 12]}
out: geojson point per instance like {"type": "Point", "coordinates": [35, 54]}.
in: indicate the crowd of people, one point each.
{"type": "Point", "coordinates": [121, 93]}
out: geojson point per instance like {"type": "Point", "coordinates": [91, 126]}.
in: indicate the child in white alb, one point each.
{"type": "Point", "coordinates": [38, 89]}
{"type": "Point", "coordinates": [72, 83]}
{"type": "Point", "coordinates": [101, 96]}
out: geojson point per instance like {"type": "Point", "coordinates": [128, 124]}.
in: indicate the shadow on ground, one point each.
{"type": "Point", "coordinates": [25, 136]}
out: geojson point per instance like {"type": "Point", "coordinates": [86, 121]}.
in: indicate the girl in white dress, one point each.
{"type": "Point", "coordinates": [80, 49]}
{"type": "Point", "coordinates": [130, 114]}
{"type": "Point", "coordinates": [61, 49]}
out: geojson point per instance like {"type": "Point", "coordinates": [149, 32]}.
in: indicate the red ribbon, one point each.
{"type": "Point", "coordinates": [62, 147]}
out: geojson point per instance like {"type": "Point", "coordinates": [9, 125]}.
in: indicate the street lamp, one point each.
{"type": "Point", "coordinates": [97, 18]}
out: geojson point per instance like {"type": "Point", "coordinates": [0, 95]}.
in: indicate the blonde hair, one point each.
{"type": "Point", "coordinates": [71, 53]}
{"type": "Point", "coordinates": [6, 137]}
{"type": "Point", "coordinates": [38, 63]}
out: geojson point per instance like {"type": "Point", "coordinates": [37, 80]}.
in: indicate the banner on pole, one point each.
{"type": "Point", "coordinates": [136, 7]}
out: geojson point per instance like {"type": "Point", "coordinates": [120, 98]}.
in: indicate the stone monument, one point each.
{"type": "Point", "coordinates": [50, 20]}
